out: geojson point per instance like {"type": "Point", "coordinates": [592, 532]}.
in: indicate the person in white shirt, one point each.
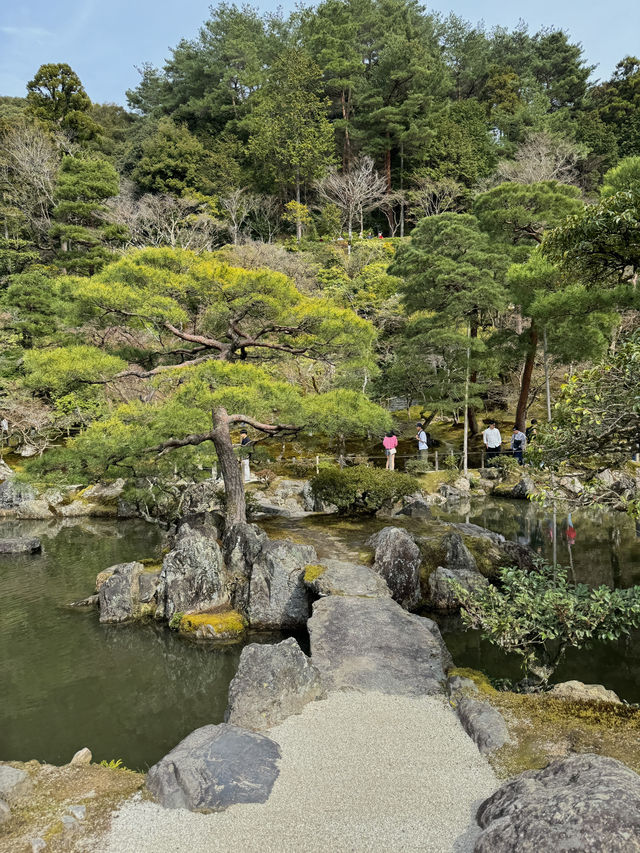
{"type": "Point", "coordinates": [421, 438]}
{"type": "Point", "coordinates": [492, 440]}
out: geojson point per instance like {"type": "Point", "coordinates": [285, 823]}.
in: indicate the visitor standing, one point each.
{"type": "Point", "coordinates": [492, 440]}
{"type": "Point", "coordinates": [246, 443]}
{"type": "Point", "coordinates": [518, 444]}
{"type": "Point", "coordinates": [390, 444]}
{"type": "Point", "coordinates": [421, 438]}
{"type": "Point", "coordinates": [532, 431]}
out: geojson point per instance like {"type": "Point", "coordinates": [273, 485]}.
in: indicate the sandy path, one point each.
{"type": "Point", "coordinates": [359, 772]}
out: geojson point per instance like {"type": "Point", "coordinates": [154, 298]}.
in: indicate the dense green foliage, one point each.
{"type": "Point", "coordinates": [539, 614]}
{"type": "Point", "coordinates": [145, 251]}
{"type": "Point", "coordinates": [361, 490]}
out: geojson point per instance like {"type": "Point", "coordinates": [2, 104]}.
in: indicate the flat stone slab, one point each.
{"type": "Point", "coordinates": [215, 767]}
{"type": "Point", "coordinates": [273, 681]}
{"type": "Point", "coordinates": [20, 546]}
{"type": "Point", "coordinates": [341, 578]}
{"type": "Point", "coordinates": [373, 644]}
{"type": "Point", "coordinates": [579, 804]}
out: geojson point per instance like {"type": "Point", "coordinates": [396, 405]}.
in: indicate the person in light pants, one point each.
{"type": "Point", "coordinates": [245, 441]}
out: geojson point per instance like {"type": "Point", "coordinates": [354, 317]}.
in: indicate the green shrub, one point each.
{"type": "Point", "coordinates": [418, 466]}
{"type": "Point", "coordinates": [361, 489]}
{"type": "Point", "coordinates": [539, 614]}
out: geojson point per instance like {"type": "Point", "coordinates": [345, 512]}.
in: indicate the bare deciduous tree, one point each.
{"type": "Point", "coordinates": [28, 171]}
{"type": "Point", "coordinates": [543, 157]}
{"type": "Point", "coordinates": [238, 204]}
{"type": "Point", "coordinates": [265, 217]}
{"type": "Point", "coordinates": [430, 197]}
{"type": "Point", "coordinates": [355, 192]}
{"type": "Point", "coordinates": [164, 220]}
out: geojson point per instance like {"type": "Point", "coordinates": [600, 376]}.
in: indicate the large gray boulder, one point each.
{"type": "Point", "coordinates": [241, 544]}
{"type": "Point", "coordinates": [215, 767]}
{"type": "Point", "coordinates": [458, 557]}
{"type": "Point", "coordinates": [271, 683]}
{"type": "Point", "coordinates": [119, 595]}
{"type": "Point", "coordinates": [434, 628]}
{"type": "Point", "coordinates": [20, 546]}
{"type": "Point", "coordinates": [442, 596]}
{"type": "Point", "coordinates": [335, 577]}
{"type": "Point", "coordinates": [579, 804]}
{"type": "Point", "coordinates": [13, 494]}
{"type": "Point", "coordinates": [127, 591]}
{"type": "Point", "coordinates": [373, 644]}
{"type": "Point", "coordinates": [278, 598]}
{"type": "Point", "coordinates": [483, 723]}
{"type": "Point", "coordinates": [290, 498]}
{"type": "Point", "coordinates": [397, 559]}
{"type": "Point", "coordinates": [193, 575]}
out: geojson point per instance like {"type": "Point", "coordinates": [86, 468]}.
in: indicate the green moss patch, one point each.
{"type": "Point", "coordinates": [544, 728]}
{"type": "Point", "coordinates": [222, 625]}
{"type": "Point", "coordinates": [313, 572]}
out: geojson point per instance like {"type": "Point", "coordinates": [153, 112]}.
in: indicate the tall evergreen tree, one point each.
{"type": "Point", "coordinates": [290, 135]}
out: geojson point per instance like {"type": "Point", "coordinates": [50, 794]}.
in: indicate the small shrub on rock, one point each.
{"type": "Point", "coordinates": [361, 490]}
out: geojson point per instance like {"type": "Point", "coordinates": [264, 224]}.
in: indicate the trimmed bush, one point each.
{"type": "Point", "coordinates": [361, 489]}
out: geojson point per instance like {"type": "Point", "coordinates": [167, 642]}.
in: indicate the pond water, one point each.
{"type": "Point", "coordinates": [598, 546]}
{"type": "Point", "coordinates": [133, 691]}
{"type": "Point", "coordinates": [125, 691]}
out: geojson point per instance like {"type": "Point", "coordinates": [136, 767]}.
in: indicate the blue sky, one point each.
{"type": "Point", "coordinates": [103, 40]}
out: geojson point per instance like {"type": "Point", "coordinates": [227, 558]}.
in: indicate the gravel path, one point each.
{"type": "Point", "coordinates": [359, 772]}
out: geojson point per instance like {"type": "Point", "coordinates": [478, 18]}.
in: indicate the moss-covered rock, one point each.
{"type": "Point", "coordinates": [223, 626]}
{"type": "Point", "coordinates": [543, 728]}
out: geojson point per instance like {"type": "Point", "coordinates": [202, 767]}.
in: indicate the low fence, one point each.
{"type": "Point", "coordinates": [439, 459]}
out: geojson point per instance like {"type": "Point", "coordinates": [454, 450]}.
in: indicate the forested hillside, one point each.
{"type": "Point", "coordinates": [298, 218]}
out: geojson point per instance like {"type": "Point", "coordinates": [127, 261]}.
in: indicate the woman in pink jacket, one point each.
{"type": "Point", "coordinates": [390, 443]}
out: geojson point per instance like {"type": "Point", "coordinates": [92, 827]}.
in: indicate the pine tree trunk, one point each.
{"type": "Point", "coordinates": [298, 222]}
{"type": "Point", "coordinates": [473, 418]}
{"type": "Point", "coordinates": [236, 508]}
{"type": "Point", "coordinates": [521, 410]}
{"type": "Point", "coordinates": [387, 167]}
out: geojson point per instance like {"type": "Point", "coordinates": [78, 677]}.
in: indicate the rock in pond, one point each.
{"type": "Point", "coordinates": [272, 683]}
{"type": "Point", "coordinates": [579, 804]}
{"type": "Point", "coordinates": [82, 756]}
{"type": "Point", "coordinates": [483, 723]}
{"type": "Point", "coordinates": [335, 577]}
{"type": "Point", "coordinates": [278, 597]}
{"type": "Point", "coordinates": [397, 560]}
{"type": "Point", "coordinates": [373, 644]}
{"type": "Point", "coordinates": [580, 692]}
{"type": "Point", "coordinates": [215, 767]}
{"type": "Point", "coordinates": [193, 575]}
{"type": "Point", "coordinates": [20, 546]}
{"type": "Point", "coordinates": [119, 596]}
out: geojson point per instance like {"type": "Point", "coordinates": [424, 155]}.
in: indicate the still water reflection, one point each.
{"type": "Point", "coordinates": [66, 681]}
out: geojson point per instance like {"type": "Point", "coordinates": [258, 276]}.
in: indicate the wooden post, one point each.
{"type": "Point", "coordinates": [437, 460]}
{"type": "Point", "coordinates": [482, 460]}
{"type": "Point", "coordinates": [317, 464]}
